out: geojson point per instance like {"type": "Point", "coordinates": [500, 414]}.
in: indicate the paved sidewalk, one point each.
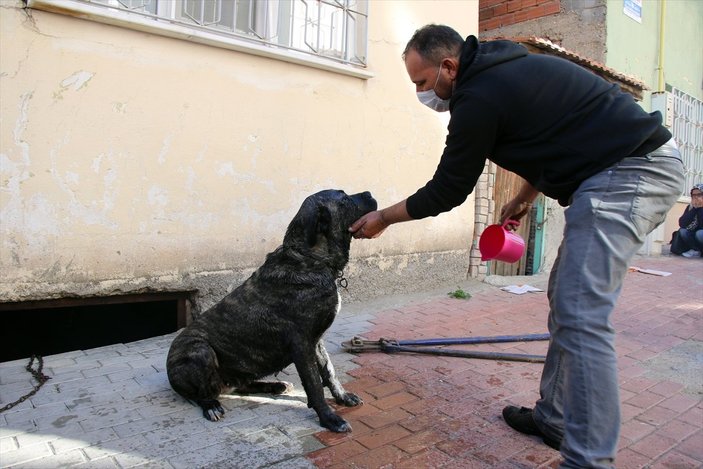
{"type": "Point", "coordinates": [112, 407]}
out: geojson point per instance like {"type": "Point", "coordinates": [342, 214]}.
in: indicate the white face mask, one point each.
{"type": "Point", "coordinates": [430, 99]}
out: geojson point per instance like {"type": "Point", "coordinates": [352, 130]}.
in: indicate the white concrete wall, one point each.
{"type": "Point", "coordinates": [131, 161]}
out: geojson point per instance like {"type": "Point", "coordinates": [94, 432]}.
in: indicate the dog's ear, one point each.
{"type": "Point", "coordinates": [321, 224]}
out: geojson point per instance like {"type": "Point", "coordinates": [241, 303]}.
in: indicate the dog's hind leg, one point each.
{"type": "Point", "coordinates": [329, 378]}
{"type": "Point", "coordinates": [192, 370]}
{"type": "Point", "coordinates": [264, 387]}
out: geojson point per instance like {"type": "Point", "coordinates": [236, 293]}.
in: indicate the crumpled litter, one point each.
{"type": "Point", "coordinates": [520, 289]}
{"type": "Point", "coordinates": [659, 273]}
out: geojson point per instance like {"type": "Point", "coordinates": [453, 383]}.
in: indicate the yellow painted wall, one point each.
{"type": "Point", "coordinates": [130, 159]}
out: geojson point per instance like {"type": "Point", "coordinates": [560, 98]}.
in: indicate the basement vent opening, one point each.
{"type": "Point", "coordinates": [49, 327]}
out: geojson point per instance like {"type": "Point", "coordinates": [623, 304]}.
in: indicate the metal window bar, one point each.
{"type": "Point", "coordinates": [307, 21]}
{"type": "Point", "coordinates": [188, 15]}
{"type": "Point", "coordinates": [688, 132]}
{"type": "Point", "coordinates": [683, 115]}
{"type": "Point", "coordinates": [199, 8]}
{"type": "Point", "coordinates": [136, 4]}
{"type": "Point", "coordinates": [147, 6]}
{"type": "Point", "coordinates": [318, 24]}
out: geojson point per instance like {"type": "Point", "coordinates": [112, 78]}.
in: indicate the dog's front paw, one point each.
{"type": "Point", "coordinates": [335, 423]}
{"type": "Point", "coordinates": [349, 399]}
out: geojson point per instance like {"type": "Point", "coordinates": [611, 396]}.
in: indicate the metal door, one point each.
{"type": "Point", "coordinates": [507, 185]}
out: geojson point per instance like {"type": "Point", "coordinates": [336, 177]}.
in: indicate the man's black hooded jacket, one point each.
{"type": "Point", "coordinates": [550, 121]}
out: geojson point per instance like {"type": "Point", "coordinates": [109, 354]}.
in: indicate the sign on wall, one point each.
{"type": "Point", "coordinates": [633, 9]}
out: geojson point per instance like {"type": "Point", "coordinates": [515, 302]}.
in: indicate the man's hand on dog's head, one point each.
{"type": "Point", "coordinates": [371, 225]}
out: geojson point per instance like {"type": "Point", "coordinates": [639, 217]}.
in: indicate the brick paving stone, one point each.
{"type": "Point", "coordinates": [421, 406]}
{"type": "Point", "coordinates": [679, 402]}
{"type": "Point", "coordinates": [631, 372]}
{"type": "Point", "coordinates": [293, 463]}
{"type": "Point", "coordinates": [657, 415]}
{"type": "Point", "coordinates": [629, 459]}
{"type": "Point", "coordinates": [666, 388]}
{"type": "Point", "coordinates": [386, 435]}
{"type": "Point", "coordinates": [69, 459]}
{"type": "Point", "coordinates": [640, 354]}
{"type": "Point", "coordinates": [112, 407]}
{"type": "Point", "coordinates": [419, 441]}
{"type": "Point", "coordinates": [645, 400]}
{"type": "Point", "coordinates": [362, 384]}
{"type": "Point", "coordinates": [629, 411]}
{"type": "Point", "coordinates": [677, 430]}
{"type": "Point", "coordinates": [638, 385]}
{"type": "Point", "coordinates": [8, 444]}
{"type": "Point", "coordinates": [653, 446]}
{"type": "Point", "coordinates": [25, 454]}
{"type": "Point", "coordinates": [500, 450]}
{"type": "Point", "coordinates": [384, 418]}
{"type": "Point", "coordinates": [535, 455]}
{"type": "Point", "coordinates": [635, 430]}
{"type": "Point", "coordinates": [693, 446]}
{"type": "Point", "coordinates": [395, 400]}
{"type": "Point", "coordinates": [456, 416]}
{"type": "Point", "coordinates": [358, 412]}
{"type": "Point", "coordinates": [429, 419]}
{"type": "Point", "coordinates": [378, 457]}
{"type": "Point", "coordinates": [675, 460]}
{"type": "Point", "coordinates": [694, 415]}
{"type": "Point", "coordinates": [103, 463]}
{"type": "Point", "coordinates": [427, 458]}
{"type": "Point", "coordinates": [337, 454]}
{"type": "Point", "coordinates": [460, 445]}
{"type": "Point", "coordinates": [385, 389]}
{"type": "Point", "coordinates": [38, 436]}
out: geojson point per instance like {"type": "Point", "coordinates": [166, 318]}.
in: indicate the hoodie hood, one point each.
{"type": "Point", "coordinates": [476, 57]}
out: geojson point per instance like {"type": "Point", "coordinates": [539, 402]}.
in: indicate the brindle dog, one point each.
{"type": "Point", "coordinates": [276, 317]}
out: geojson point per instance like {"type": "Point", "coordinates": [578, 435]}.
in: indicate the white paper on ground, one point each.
{"type": "Point", "coordinates": [520, 289]}
{"type": "Point", "coordinates": [660, 273]}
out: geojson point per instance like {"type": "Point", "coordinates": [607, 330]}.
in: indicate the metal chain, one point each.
{"type": "Point", "coordinates": [341, 281]}
{"type": "Point", "coordinates": [38, 375]}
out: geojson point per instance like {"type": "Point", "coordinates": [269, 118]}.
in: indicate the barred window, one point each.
{"type": "Point", "coordinates": [331, 30]}
{"type": "Point", "coordinates": [683, 115]}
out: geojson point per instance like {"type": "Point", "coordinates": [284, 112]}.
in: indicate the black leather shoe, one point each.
{"type": "Point", "coordinates": [520, 419]}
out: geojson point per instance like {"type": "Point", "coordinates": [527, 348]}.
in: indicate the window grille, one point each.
{"type": "Point", "coordinates": [332, 29]}
{"type": "Point", "coordinates": [683, 116]}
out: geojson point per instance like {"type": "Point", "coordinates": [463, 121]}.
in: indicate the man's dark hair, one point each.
{"type": "Point", "coordinates": [435, 42]}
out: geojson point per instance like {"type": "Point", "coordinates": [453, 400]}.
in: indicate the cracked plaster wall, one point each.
{"type": "Point", "coordinates": [131, 162]}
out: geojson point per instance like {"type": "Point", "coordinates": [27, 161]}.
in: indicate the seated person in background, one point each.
{"type": "Point", "coordinates": [690, 235]}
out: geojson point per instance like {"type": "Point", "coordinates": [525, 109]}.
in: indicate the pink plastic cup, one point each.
{"type": "Point", "coordinates": [499, 243]}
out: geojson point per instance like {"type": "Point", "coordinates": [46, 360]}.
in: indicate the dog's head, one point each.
{"type": "Point", "coordinates": [320, 227]}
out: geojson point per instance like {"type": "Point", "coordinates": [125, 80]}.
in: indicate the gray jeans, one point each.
{"type": "Point", "coordinates": [606, 223]}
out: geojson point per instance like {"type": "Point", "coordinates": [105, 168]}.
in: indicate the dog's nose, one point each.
{"type": "Point", "coordinates": [365, 199]}
{"type": "Point", "coordinates": [362, 195]}
{"type": "Point", "coordinates": [372, 204]}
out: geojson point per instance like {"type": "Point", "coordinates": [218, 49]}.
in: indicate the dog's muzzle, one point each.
{"type": "Point", "coordinates": [365, 201]}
